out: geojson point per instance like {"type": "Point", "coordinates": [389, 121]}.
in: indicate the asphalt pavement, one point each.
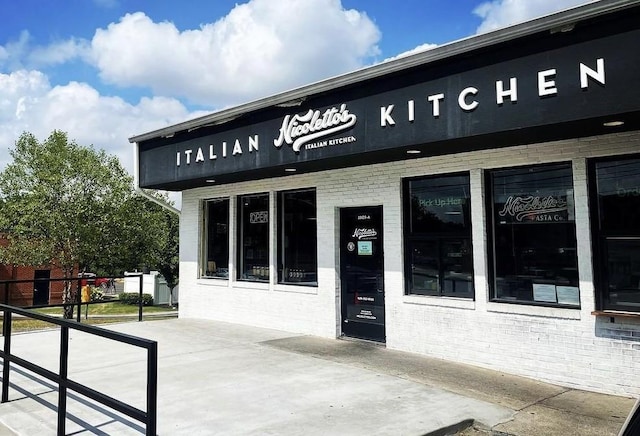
{"type": "Point", "coordinates": [225, 379]}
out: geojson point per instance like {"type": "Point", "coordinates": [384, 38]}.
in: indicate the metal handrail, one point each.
{"type": "Point", "coordinates": [149, 418]}
{"type": "Point", "coordinates": [78, 301]}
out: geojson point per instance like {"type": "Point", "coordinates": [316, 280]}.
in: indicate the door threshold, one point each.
{"type": "Point", "coordinates": [363, 340]}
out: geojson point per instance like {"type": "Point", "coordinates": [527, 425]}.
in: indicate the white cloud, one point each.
{"type": "Point", "coordinates": [501, 13]}
{"type": "Point", "coordinates": [259, 48]}
{"type": "Point", "coordinates": [29, 103]}
{"type": "Point", "coordinates": [59, 52]}
{"type": "Point", "coordinates": [12, 53]}
{"type": "Point", "coordinates": [418, 49]}
{"type": "Point", "coordinates": [21, 54]}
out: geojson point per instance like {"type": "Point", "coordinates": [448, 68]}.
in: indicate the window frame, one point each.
{"type": "Point", "coordinates": [262, 272]}
{"type": "Point", "coordinates": [205, 238]}
{"type": "Point", "coordinates": [491, 236]}
{"type": "Point", "coordinates": [412, 239]}
{"type": "Point", "coordinates": [600, 237]}
{"type": "Point", "coordinates": [280, 235]}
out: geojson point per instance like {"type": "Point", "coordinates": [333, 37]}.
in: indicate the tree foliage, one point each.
{"type": "Point", "coordinates": [74, 206]}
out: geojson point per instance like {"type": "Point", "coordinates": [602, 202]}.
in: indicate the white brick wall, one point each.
{"type": "Point", "coordinates": [565, 346]}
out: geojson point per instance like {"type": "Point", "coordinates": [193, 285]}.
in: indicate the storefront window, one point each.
{"type": "Point", "coordinates": [253, 237]}
{"type": "Point", "coordinates": [616, 221]}
{"type": "Point", "coordinates": [216, 235]}
{"type": "Point", "coordinates": [297, 236]}
{"type": "Point", "coordinates": [534, 237]}
{"type": "Point", "coordinates": [438, 253]}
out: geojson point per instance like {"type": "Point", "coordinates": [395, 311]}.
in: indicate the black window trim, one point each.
{"type": "Point", "coordinates": [439, 237]}
{"type": "Point", "coordinates": [279, 236]}
{"type": "Point", "coordinates": [204, 238]}
{"type": "Point", "coordinates": [489, 216]}
{"type": "Point", "coordinates": [598, 239]}
{"type": "Point", "coordinates": [240, 240]}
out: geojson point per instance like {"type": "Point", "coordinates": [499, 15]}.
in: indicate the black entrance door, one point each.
{"type": "Point", "coordinates": [41, 286]}
{"type": "Point", "coordinates": [362, 272]}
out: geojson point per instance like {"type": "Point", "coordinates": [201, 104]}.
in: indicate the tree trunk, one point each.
{"type": "Point", "coordinates": [68, 295]}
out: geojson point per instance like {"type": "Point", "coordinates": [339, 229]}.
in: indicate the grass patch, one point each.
{"type": "Point", "coordinates": [93, 313]}
{"type": "Point", "coordinates": [25, 324]}
{"type": "Point", "coordinates": [114, 308]}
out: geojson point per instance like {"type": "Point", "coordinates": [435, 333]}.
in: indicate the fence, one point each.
{"type": "Point", "coordinates": [77, 296]}
{"type": "Point", "coordinates": [148, 417]}
{"type": "Point", "coordinates": [153, 284]}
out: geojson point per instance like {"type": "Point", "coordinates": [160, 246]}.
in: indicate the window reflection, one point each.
{"type": "Point", "coordinates": [617, 238]}
{"type": "Point", "coordinates": [534, 242]}
{"type": "Point", "coordinates": [253, 247]}
{"type": "Point", "coordinates": [216, 257]}
{"type": "Point", "coordinates": [438, 236]}
{"type": "Point", "coordinates": [298, 237]}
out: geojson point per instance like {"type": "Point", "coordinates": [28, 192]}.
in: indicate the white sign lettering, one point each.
{"type": "Point", "coordinates": [205, 153]}
{"type": "Point", "coordinates": [532, 206]}
{"type": "Point", "coordinates": [364, 233]}
{"type": "Point", "coordinates": [545, 87]}
{"type": "Point", "coordinates": [298, 130]}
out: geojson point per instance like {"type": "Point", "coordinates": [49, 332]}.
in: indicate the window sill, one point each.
{"type": "Point", "coordinates": [432, 300]}
{"type": "Point", "coordinates": [616, 314]}
{"type": "Point", "coordinates": [263, 286]}
{"type": "Point", "coordinates": [210, 281]}
{"type": "Point", "coordinates": [532, 310]}
{"type": "Point", "coordinates": [296, 289]}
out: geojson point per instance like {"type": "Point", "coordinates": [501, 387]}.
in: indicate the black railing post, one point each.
{"type": "Point", "coordinates": [62, 387]}
{"type": "Point", "coordinates": [6, 331]}
{"type": "Point", "coordinates": [152, 389]}
{"type": "Point", "coordinates": [141, 277]}
{"type": "Point", "coordinates": [79, 299]}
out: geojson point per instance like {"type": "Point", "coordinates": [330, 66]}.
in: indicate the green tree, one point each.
{"type": "Point", "coordinates": [169, 257]}
{"type": "Point", "coordinates": [74, 207]}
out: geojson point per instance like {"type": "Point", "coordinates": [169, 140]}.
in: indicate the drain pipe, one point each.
{"type": "Point", "coordinates": [142, 192]}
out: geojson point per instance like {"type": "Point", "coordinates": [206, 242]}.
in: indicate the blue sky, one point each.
{"type": "Point", "coordinates": [105, 70]}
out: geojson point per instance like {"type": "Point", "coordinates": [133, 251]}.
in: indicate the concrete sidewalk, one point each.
{"type": "Point", "coordinates": [219, 378]}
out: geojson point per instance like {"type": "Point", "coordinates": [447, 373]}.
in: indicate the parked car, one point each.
{"type": "Point", "coordinates": [99, 282]}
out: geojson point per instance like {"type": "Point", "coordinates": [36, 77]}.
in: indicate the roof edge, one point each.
{"type": "Point", "coordinates": [462, 46]}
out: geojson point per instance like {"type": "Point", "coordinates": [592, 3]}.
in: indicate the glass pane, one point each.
{"type": "Point", "coordinates": [438, 239]}
{"type": "Point", "coordinates": [457, 268]}
{"type": "Point", "coordinates": [425, 270]}
{"type": "Point", "coordinates": [253, 247]}
{"type": "Point", "coordinates": [534, 235]}
{"type": "Point", "coordinates": [217, 239]}
{"type": "Point", "coordinates": [440, 204]}
{"type": "Point", "coordinates": [623, 265]}
{"type": "Point", "coordinates": [619, 197]}
{"type": "Point", "coordinates": [298, 238]}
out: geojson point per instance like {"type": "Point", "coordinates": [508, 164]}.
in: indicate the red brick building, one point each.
{"type": "Point", "coordinates": [33, 291]}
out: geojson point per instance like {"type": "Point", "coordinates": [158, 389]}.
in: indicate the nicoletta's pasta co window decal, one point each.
{"type": "Point", "coordinates": [538, 207]}
{"type": "Point", "coordinates": [534, 239]}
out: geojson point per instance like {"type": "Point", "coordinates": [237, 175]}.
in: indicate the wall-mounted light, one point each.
{"type": "Point", "coordinates": [290, 170]}
{"type": "Point", "coordinates": [210, 181]}
{"type": "Point", "coordinates": [615, 123]}
{"type": "Point", "coordinates": [413, 152]}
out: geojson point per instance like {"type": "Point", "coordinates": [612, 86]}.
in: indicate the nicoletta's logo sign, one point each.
{"type": "Point", "coordinates": [533, 208]}
{"type": "Point", "coordinates": [308, 129]}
